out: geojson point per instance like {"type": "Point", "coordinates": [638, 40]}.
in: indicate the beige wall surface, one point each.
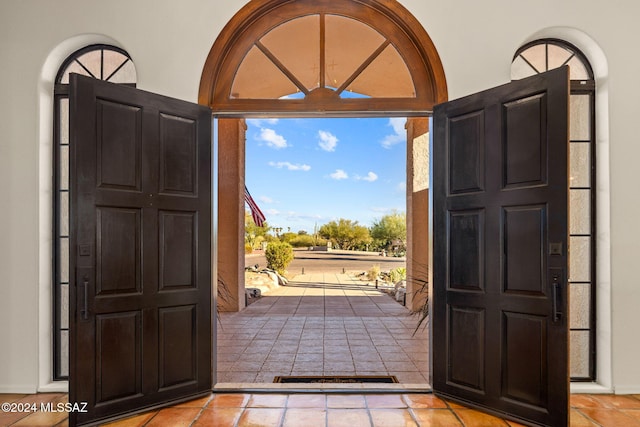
{"type": "Point", "coordinates": [169, 41]}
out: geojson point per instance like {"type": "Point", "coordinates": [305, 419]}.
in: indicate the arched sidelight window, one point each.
{"type": "Point", "coordinates": [101, 62]}
{"type": "Point", "coordinates": [537, 57]}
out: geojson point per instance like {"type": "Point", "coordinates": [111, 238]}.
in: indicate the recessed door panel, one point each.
{"type": "Point", "coordinates": [524, 242]}
{"type": "Point", "coordinates": [525, 144]}
{"type": "Point", "coordinates": [119, 361]}
{"type": "Point", "coordinates": [119, 139]}
{"type": "Point", "coordinates": [466, 243]}
{"type": "Point", "coordinates": [179, 154]}
{"type": "Point", "coordinates": [178, 346]}
{"type": "Point", "coordinates": [466, 341]}
{"type": "Point", "coordinates": [466, 158]}
{"type": "Point", "coordinates": [177, 249]}
{"type": "Point", "coordinates": [118, 235]}
{"type": "Point", "coordinates": [525, 359]}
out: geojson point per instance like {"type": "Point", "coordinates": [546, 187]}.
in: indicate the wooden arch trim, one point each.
{"type": "Point", "coordinates": [257, 18]}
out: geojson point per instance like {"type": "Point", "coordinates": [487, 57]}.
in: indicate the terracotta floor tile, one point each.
{"type": "Point", "coordinates": [175, 417]}
{"type": "Point", "coordinates": [346, 401]}
{"type": "Point", "coordinates": [585, 401]}
{"type": "Point", "coordinates": [262, 417]}
{"type": "Point", "coordinates": [348, 418]}
{"type": "Point", "coordinates": [196, 403]}
{"type": "Point", "coordinates": [436, 417]}
{"type": "Point", "coordinates": [42, 419]}
{"type": "Point", "coordinates": [473, 418]}
{"type": "Point", "coordinates": [307, 417]}
{"type": "Point", "coordinates": [610, 417]}
{"type": "Point", "coordinates": [424, 401]}
{"type": "Point", "coordinates": [219, 417]}
{"type": "Point", "coordinates": [391, 418]}
{"type": "Point", "coordinates": [385, 401]}
{"type": "Point", "coordinates": [635, 413]}
{"type": "Point", "coordinates": [135, 421]}
{"type": "Point", "coordinates": [267, 401]}
{"type": "Point", "coordinates": [11, 397]}
{"type": "Point", "coordinates": [577, 419]}
{"type": "Point", "coordinates": [514, 424]}
{"type": "Point", "coordinates": [230, 400]}
{"type": "Point", "coordinates": [618, 401]}
{"type": "Point", "coordinates": [8, 418]}
{"type": "Point", "coordinates": [307, 401]}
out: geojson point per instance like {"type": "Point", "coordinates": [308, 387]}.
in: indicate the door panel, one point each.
{"type": "Point", "coordinates": [141, 249]}
{"type": "Point", "coordinates": [500, 250]}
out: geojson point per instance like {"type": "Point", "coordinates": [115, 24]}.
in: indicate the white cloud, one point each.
{"type": "Point", "coordinates": [261, 122]}
{"type": "Point", "coordinates": [401, 187]}
{"type": "Point", "coordinates": [327, 141]}
{"type": "Point", "coordinates": [370, 177]}
{"type": "Point", "coordinates": [290, 166]}
{"type": "Point", "coordinates": [265, 199]}
{"type": "Point", "coordinates": [399, 133]}
{"type": "Point", "coordinates": [272, 212]}
{"type": "Point", "coordinates": [339, 174]}
{"type": "Point", "coordinates": [272, 139]}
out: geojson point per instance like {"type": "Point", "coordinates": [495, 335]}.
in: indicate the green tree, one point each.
{"type": "Point", "coordinates": [254, 235]}
{"type": "Point", "coordinates": [346, 233]}
{"type": "Point", "coordinates": [391, 230]}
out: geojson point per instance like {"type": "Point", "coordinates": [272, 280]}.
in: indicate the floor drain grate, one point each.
{"type": "Point", "coordinates": [340, 379]}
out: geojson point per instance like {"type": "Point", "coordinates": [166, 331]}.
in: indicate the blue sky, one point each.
{"type": "Point", "coordinates": [304, 172]}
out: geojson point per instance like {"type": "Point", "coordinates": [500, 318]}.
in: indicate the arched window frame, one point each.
{"type": "Point", "coordinates": [582, 87]}
{"type": "Point", "coordinates": [122, 72]}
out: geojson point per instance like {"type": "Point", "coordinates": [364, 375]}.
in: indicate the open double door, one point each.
{"type": "Point", "coordinates": [141, 240]}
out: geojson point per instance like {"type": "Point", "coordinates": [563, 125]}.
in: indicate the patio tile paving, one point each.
{"type": "Point", "coordinates": [322, 324]}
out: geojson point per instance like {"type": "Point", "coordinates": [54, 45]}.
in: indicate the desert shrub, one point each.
{"type": "Point", "coordinates": [279, 255]}
{"type": "Point", "coordinates": [373, 272]}
{"type": "Point", "coordinates": [248, 248]}
{"type": "Point", "coordinates": [398, 274]}
{"type": "Point", "coordinates": [301, 241]}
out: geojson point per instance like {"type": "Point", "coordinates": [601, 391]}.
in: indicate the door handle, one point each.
{"type": "Point", "coordinates": [557, 298]}
{"type": "Point", "coordinates": [84, 313]}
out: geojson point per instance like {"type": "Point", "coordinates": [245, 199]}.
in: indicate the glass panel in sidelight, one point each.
{"type": "Point", "coordinates": [64, 213]}
{"type": "Point", "coordinates": [580, 211]}
{"type": "Point", "coordinates": [63, 125]}
{"type": "Point", "coordinates": [64, 306]}
{"type": "Point", "coordinates": [579, 354]}
{"type": "Point", "coordinates": [580, 164]}
{"type": "Point", "coordinates": [580, 305]}
{"type": "Point", "coordinates": [580, 259]}
{"type": "Point", "coordinates": [64, 259]}
{"type": "Point", "coordinates": [580, 118]}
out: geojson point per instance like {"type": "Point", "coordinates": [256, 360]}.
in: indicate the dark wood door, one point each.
{"type": "Point", "coordinates": [500, 250]}
{"type": "Point", "coordinates": [140, 323]}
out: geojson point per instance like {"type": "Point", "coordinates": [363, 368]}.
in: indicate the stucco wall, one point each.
{"type": "Point", "coordinates": [169, 41]}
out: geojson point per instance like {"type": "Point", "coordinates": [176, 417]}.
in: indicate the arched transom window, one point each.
{"type": "Point", "coordinates": [534, 58]}
{"type": "Point", "coordinates": [312, 57]}
{"type": "Point", "coordinates": [323, 55]}
{"type": "Point", "coordinates": [101, 62]}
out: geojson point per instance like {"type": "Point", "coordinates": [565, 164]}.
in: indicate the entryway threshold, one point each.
{"type": "Point", "coordinates": [361, 388]}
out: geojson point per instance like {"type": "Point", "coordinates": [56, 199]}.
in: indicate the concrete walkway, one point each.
{"type": "Point", "coordinates": [321, 324]}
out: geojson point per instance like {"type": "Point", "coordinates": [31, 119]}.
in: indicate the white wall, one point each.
{"type": "Point", "coordinates": [169, 41]}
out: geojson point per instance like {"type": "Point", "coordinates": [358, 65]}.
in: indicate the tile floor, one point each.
{"type": "Point", "coordinates": [327, 324]}
{"type": "Point", "coordinates": [332, 410]}
{"type": "Point", "coordinates": [322, 324]}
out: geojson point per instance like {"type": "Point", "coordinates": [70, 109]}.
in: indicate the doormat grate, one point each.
{"type": "Point", "coordinates": [340, 379]}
